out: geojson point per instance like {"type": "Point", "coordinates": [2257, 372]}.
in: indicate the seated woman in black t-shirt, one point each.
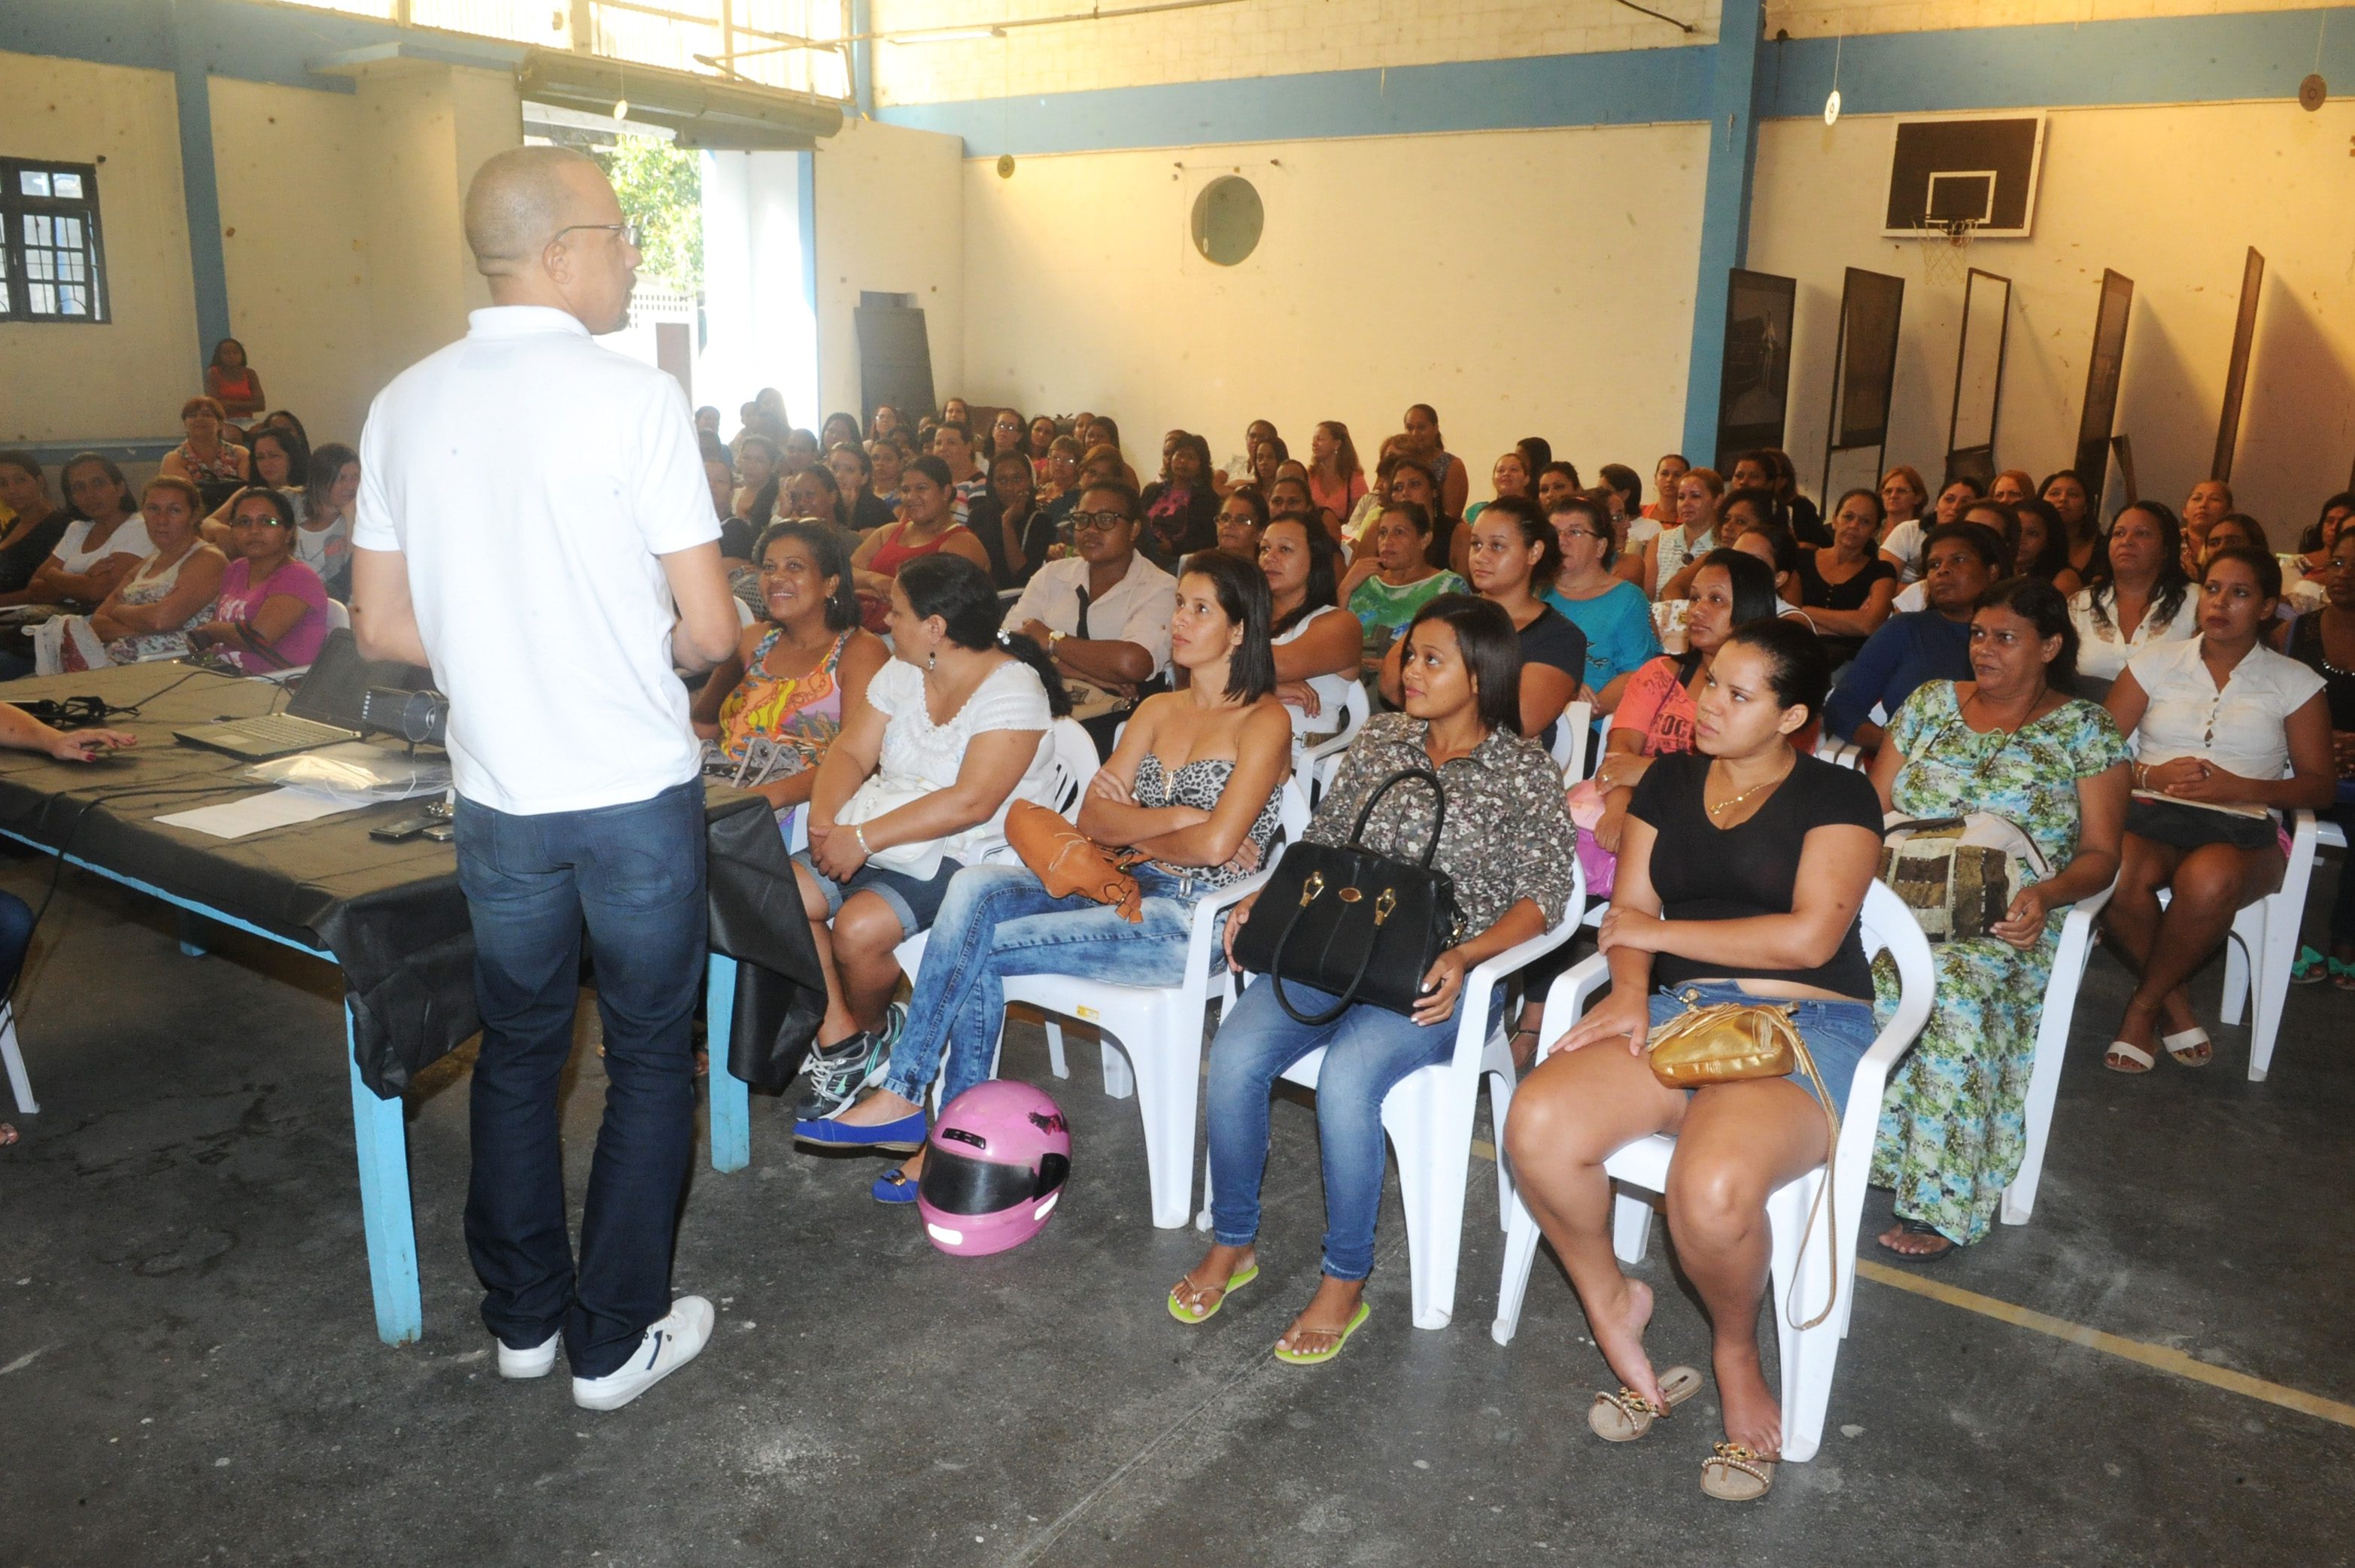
{"type": "Point", "coordinates": [1742, 871]}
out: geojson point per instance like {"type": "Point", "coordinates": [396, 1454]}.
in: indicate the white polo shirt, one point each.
{"type": "Point", "coordinates": [530, 478]}
{"type": "Point", "coordinates": [2239, 728]}
{"type": "Point", "coordinates": [1136, 609]}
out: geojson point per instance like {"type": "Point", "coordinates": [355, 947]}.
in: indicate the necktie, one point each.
{"type": "Point", "coordinates": [1082, 633]}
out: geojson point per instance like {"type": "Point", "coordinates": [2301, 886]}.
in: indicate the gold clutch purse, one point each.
{"type": "Point", "coordinates": [1733, 1041]}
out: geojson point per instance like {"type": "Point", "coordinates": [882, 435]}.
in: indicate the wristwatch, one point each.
{"type": "Point", "coordinates": [1054, 640]}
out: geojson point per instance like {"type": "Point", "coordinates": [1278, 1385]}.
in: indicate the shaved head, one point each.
{"type": "Point", "coordinates": [520, 198]}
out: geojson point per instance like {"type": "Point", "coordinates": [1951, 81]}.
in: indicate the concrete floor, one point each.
{"type": "Point", "coordinates": [188, 1370]}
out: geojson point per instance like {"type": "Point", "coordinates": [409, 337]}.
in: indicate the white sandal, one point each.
{"type": "Point", "coordinates": [2191, 1048]}
{"type": "Point", "coordinates": [2143, 1060]}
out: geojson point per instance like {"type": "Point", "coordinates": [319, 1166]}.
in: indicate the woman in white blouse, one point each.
{"type": "Point", "coordinates": [2138, 594]}
{"type": "Point", "coordinates": [954, 727]}
{"type": "Point", "coordinates": [1317, 644]}
{"type": "Point", "coordinates": [2227, 735]}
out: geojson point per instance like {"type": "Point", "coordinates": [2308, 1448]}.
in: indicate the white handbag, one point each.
{"type": "Point", "coordinates": [876, 798]}
{"type": "Point", "coordinates": [1958, 874]}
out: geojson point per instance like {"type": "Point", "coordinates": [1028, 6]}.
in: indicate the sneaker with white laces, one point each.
{"type": "Point", "coordinates": [536, 1362]}
{"type": "Point", "coordinates": [840, 1073]}
{"type": "Point", "coordinates": [671, 1341]}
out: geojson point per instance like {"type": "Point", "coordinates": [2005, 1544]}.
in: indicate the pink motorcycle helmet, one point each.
{"type": "Point", "coordinates": [994, 1169]}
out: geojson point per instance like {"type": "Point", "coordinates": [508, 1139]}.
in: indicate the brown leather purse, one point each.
{"type": "Point", "coordinates": [1066, 861]}
{"type": "Point", "coordinates": [1733, 1041]}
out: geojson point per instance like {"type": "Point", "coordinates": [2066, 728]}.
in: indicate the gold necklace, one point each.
{"type": "Point", "coordinates": [1715, 812]}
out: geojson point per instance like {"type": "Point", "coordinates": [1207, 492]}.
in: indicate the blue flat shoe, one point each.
{"type": "Point", "coordinates": [906, 1135]}
{"type": "Point", "coordinates": [893, 1186]}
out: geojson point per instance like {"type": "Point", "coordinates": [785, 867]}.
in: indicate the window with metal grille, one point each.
{"type": "Point", "coordinates": [51, 268]}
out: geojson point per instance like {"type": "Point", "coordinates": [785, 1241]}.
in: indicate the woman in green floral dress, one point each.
{"type": "Point", "coordinates": [2010, 743]}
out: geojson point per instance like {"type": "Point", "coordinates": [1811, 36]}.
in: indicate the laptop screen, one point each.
{"type": "Point", "coordinates": [339, 679]}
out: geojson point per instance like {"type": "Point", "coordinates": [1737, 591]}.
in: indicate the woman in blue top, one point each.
{"type": "Point", "coordinates": [1960, 563]}
{"type": "Point", "coordinates": [1610, 611]}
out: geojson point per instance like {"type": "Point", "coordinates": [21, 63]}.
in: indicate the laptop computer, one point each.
{"type": "Point", "coordinates": [326, 709]}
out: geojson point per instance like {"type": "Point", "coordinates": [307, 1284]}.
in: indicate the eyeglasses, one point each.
{"type": "Point", "coordinates": [1566, 535]}
{"type": "Point", "coordinates": [1104, 520]}
{"type": "Point", "coordinates": [254, 522]}
{"type": "Point", "coordinates": [628, 231]}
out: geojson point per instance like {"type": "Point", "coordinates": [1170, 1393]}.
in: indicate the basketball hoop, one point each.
{"type": "Point", "coordinates": [1946, 247]}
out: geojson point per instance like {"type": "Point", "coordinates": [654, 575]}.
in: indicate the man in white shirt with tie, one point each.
{"type": "Point", "coordinates": [1102, 612]}
{"type": "Point", "coordinates": [534, 522]}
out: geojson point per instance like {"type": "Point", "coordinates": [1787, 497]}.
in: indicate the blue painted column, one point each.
{"type": "Point", "coordinates": [199, 188]}
{"type": "Point", "coordinates": [1725, 212]}
{"type": "Point", "coordinates": [862, 56]}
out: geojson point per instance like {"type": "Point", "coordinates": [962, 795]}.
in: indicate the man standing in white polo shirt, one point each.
{"type": "Point", "coordinates": [534, 522]}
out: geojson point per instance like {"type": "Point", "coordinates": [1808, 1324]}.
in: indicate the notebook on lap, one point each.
{"type": "Point", "coordinates": [325, 708]}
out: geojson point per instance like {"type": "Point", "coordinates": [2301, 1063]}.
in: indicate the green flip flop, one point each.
{"type": "Point", "coordinates": [1318, 1357]}
{"type": "Point", "coordinates": [1235, 1282]}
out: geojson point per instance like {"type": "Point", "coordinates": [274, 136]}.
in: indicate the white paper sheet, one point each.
{"type": "Point", "coordinates": [256, 813]}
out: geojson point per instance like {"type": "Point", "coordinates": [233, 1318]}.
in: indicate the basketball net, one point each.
{"type": "Point", "coordinates": [1946, 247]}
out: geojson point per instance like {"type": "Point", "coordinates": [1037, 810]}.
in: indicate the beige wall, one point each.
{"type": "Point", "coordinates": [1569, 318]}
{"type": "Point", "coordinates": [889, 216]}
{"type": "Point", "coordinates": [1829, 18]}
{"type": "Point", "coordinates": [126, 378]}
{"type": "Point", "coordinates": [2270, 177]}
{"type": "Point", "coordinates": [1250, 38]}
{"type": "Point", "coordinates": [295, 200]}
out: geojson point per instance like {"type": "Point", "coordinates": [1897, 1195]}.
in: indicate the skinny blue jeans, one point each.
{"type": "Point", "coordinates": [1368, 1050]}
{"type": "Point", "coordinates": [998, 922]}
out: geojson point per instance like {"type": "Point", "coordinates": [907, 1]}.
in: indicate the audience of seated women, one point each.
{"type": "Point", "coordinates": [1509, 475]}
{"type": "Point", "coordinates": [1422, 441]}
{"type": "Point", "coordinates": [232, 382]}
{"type": "Point", "coordinates": [34, 528]}
{"type": "Point", "coordinates": [271, 614]}
{"type": "Point", "coordinates": [1806, 520]}
{"type": "Point", "coordinates": [1956, 499]}
{"type": "Point", "coordinates": [2228, 736]}
{"type": "Point", "coordinates": [1012, 527]}
{"type": "Point", "coordinates": [1930, 643]}
{"type": "Point", "coordinates": [2043, 549]}
{"type": "Point", "coordinates": [913, 787]}
{"type": "Point", "coordinates": [1387, 588]}
{"type": "Point", "coordinates": [1102, 612]}
{"type": "Point", "coordinates": [279, 461]}
{"type": "Point", "coordinates": [1243, 466]}
{"type": "Point", "coordinates": [2323, 639]}
{"type": "Point", "coordinates": [2207, 504]}
{"type": "Point", "coordinates": [1059, 477]}
{"type": "Point", "coordinates": [1042, 436]}
{"type": "Point", "coordinates": [1336, 479]}
{"type": "Point", "coordinates": [1772, 543]}
{"type": "Point", "coordinates": [1504, 844]}
{"type": "Point", "coordinates": [1242, 520]}
{"type": "Point", "coordinates": [218, 467]}
{"type": "Point", "coordinates": [756, 466]}
{"type": "Point", "coordinates": [1555, 482]}
{"type": "Point", "coordinates": [1193, 784]}
{"type": "Point", "coordinates": [2010, 741]}
{"type": "Point", "coordinates": [1847, 589]}
{"type": "Point", "coordinates": [2066, 493]}
{"type": "Point", "coordinates": [2138, 594]}
{"type": "Point", "coordinates": [1903, 496]}
{"type": "Point", "coordinates": [798, 674]}
{"type": "Point", "coordinates": [1317, 644]}
{"type": "Point", "coordinates": [1653, 717]}
{"type": "Point", "coordinates": [1741, 509]}
{"type": "Point", "coordinates": [2315, 545]}
{"type": "Point", "coordinates": [854, 477]}
{"type": "Point", "coordinates": [322, 537]}
{"type": "Point", "coordinates": [1610, 611]}
{"type": "Point", "coordinates": [2234, 530]}
{"type": "Point", "coordinates": [1691, 534]}
{"type": "Point", "coordinates": [105, 541]}
{"type": "Point", "coordinates": [2012, 486]}
{"type": "Point", "coordinates": [1514, 558]}
{"type": "Point", "coordinates": [149, 612]}
{"type": "Point", "coordinates": [926, 527]}
{"type": "Point", "coordinates": [1181, 509]}
{"type": "Point", "coordinates": [1994, 514]}
{"type": "Point", "coordinates": [837, 430]}
{"type": "Point", "coordinates": [1745, 865]}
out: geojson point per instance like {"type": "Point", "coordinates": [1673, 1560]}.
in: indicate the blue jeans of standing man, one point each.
{"type": "Point", "coordinates": [633, 875]}
{"type": "Point", "coordinates": [1366, 1051]}
{"type": "Point", "coordinates": [997, 921]}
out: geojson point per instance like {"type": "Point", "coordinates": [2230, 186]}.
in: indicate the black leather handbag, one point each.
{"type": "Point", "coordinates": [1353, 924]}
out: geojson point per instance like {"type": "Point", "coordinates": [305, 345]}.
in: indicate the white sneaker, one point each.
{"type": "Point", "coordinates": [670, 1342]}
{"type": "Point", "coordinates": [536, 1362]}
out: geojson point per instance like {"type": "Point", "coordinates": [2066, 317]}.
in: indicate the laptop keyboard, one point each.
{"type": "Point", "coordinates": [285, 730]}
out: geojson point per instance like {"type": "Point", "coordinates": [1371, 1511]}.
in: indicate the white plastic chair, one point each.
{"type": "Point", "coordinates": [2069, 954]}
{"type": "Point", "coordinates": [1808, 1355]}
{"type": "Point", "coordinates": [1572, 734]}
{"type": "Point", "coordinates": [339, 615]}
{"type": "Point", "coordinates": [1153, 1034]}
{"type": "Point", "coordinates": [2264, 946]}
{"type": "Point", "coordinates": [1320, 761]}
{"type": "Point", "coordinates": [19, 1083]}
{"type": "Point", "coordinates": [1428, 1115]}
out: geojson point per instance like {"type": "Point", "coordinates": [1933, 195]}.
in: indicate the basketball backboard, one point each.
{"type": "Point", "coordinates": [1978, 170]}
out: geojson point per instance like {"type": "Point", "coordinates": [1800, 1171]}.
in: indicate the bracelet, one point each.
{"type": "Point", "coordinates": [858, 831]}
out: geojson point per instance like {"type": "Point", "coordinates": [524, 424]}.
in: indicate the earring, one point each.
{"type": "Point", "coordinates": [932, 659]}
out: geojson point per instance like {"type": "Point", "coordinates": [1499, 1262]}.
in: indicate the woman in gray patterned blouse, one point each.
{"type": "Point", "coordinates": [1507, 844]}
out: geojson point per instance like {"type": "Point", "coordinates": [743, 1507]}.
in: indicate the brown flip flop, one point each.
{"type": "Point", "coordinates": [1627, 1415]}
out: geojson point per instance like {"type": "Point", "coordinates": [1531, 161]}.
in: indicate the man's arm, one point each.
{"type": "Point", "coordinates": [707, 624]}
{"type": "Point", "coordinates": [384, 619]}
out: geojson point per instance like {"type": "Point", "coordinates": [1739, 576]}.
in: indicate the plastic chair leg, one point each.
{"type": "Point", "coordinates": [20, 1083]}
{"type": "Point", "coordinates": [1118, 1080]}
{"type": "Point", "coordinates": [1520, 1256]}
{"type": "Point", "coordinates": [1432, 1190]}
{"type": "Point", "coordinates": [1055, 1058]}
{"type": "Point", "coordinates": [1169, 1092]}
{"type": "Point", "coordinates": [2244, 960]}
{"type": "Point", "coordinates": [1500, 1105]}
{"type": "Point", "coordinates": [1631, 1227]}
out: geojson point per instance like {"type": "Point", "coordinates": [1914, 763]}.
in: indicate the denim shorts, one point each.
{"type": "Point", "coordinates": [1838, 1034]}
{"type": "Point", "coordinates": [915, 900]}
